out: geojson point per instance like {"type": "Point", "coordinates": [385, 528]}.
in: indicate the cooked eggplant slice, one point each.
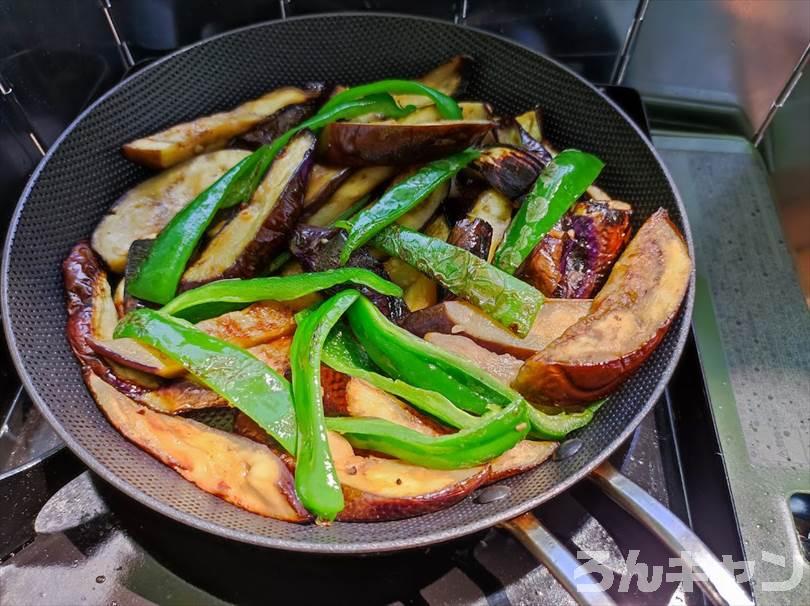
{"type": "Point", "coordinates": [396, 144]}
{"type": "Point", "coordinates": [180, 142]}
{"type": "Point", "coordinates": [360, 399]}
{"type": "Point", "coordinates": [494, 208]}
{"type": "Point", "coordinates": [503, 367]}
{"type": "Point", "coordinates": [92, 315]}
{"type": "Point", "coordinates": [378, 489]}
{"type": "Point", "coordinates": [260, 228]}
{"type": "Point", "coordinates": [470, 110]}
{"type": "Point", "coordinates": [322, 183]}
{"type": "Point", "coordinates": [461, 318]}
{"type": "Point", "coordinates": [274, 126]}
{"type": "Point", "coordinates": [628, 318]}
{"type": "Point", "coordinates": [236, 469]}
{"type": "Point", "coordinates": [449, 78]}
{"type": "Point", "coordinates": [259, 323]}
{"type": "Point", "coordinates": [573, 260]}
{"type": "Point", "coordinates": [358, 185]}
{"type": "Point", "coordinates": [526, 455]}
{"type": "Point", "coordinates": [318, 249]}
{"type": "Point", "coordinates": [473, 235]}
{"type": "Point", "coordinates": [419, 291]}
{"type": "Point", "coordinates": [532, 123]}
{"type": "Point", "coordinates": [510, 170]}
{"type": "Point", "coordinates": [146, 208]}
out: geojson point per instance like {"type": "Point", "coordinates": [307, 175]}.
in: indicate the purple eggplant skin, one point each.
{"type": "Point", "coordinates": [510, 132]}
{"type": "Point", "coordinates": [509, 169]}
{"type": "Point", "coordinates": [575, 258]}
{"type": "Point", "coordinates": [318, 249]}
{"type": "Point", "coordinates": [473, 235]}
{"type": "Point", "coordinates": [280, 122]}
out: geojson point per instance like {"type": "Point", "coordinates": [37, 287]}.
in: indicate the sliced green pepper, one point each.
{"type": "Point", "coordinates": [467, 448]}
{"type": "Point", "coordinates": [445, 105]}
{"type": "Point", "coordinates": [405, 356]}
{"type": "Point", "coordinates": [510, 301]}
{"type": "Point", "coordinates": [414, 360]}
{"type": "Point", "coordinates": [344, 354]}
{"type": "Point", "coordinates": [401, 198]}
{"type": "Point", "coordinates": [277, 288]}
{"type": "Point", "coordinates": [235, 374]}
{"type": "Point", "coordinates": [557, 426]}
{"type": "Point", "coordinates": [316, 480]}
{"type": "Point", "coordinates": [559, 185]}
{"type": "Point", "coordinates": [157, 277]}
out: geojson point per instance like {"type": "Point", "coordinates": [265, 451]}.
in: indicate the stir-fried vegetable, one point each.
{"type": "Point", "coordinates": [417, 362]}
{"type": "Point", "coordinates": [278, 288]}
{"type": "Point", "coordinates": [507, 299]}
{"type": "Point", "coordinates": [446, 106]}
{"type": "Point", "coordinates": [316, 480]}
{"type": "Point", "coordinates": [157, 278]}
{"type": "Point", "coordinates": [559, 185]}
{"type": "Point", "coordinates": [401, 198]}
{"type": "Point", "coordinates": [344, 354]}
{"type": "Point", "coordinates": [408, 358]}
{"type": "Point", "coordinates": [469, 447]}
{"type": "Point", "coordinates": [236, 375]}
{"type": "Point", "coordinates": [557, 426]}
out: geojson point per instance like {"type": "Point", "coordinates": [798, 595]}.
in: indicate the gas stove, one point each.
{"type": "Point", "coordinates": [105, 548]}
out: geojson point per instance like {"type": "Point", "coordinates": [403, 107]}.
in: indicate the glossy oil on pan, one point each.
{"type": "Point", "coordinates": [85, 172]}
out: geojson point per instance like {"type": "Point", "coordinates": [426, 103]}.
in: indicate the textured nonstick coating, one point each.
{"type": "Point", "coordinates": [84, 173]}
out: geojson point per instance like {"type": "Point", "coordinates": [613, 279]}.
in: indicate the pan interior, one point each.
{"type": "Point", "coordinates": [85, 173]}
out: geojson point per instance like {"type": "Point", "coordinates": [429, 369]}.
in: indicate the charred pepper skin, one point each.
{"type": "Point", "coordinates": [316, 479]}
{"type": "Point", "coordinates": [235, 374]}
{"type": "Point", "coordinates": [157, 278]}
{"type": "Point", "coordinates": [559, 185]}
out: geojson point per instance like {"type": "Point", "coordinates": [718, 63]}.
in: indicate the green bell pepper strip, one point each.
{"type": "Point", "coordinates": [235, 374]}
{"type": "Point", "coordinates": [401, 198]}
{"type": "Point", "coordinates": [277, 288]}
{"type": "Point", "coordinates": [467, 448]}
{"type": "Point", "coordinates": [510, 301]}
{"type": "Point", "coordinates": [406, 357]}
{"type": "Point", "coordinates": [557, 426]}
{"type": "Point", "coordinates": [446, 106]}
{"type": "Point", "coordinates": [559, 185]}
{"type": "Point", "coordinates": [156, 279]}
{"type": "Point", "coordinates": [342, 353]}
{"type": "Point", "coordinates": [316, 479]}
{"type": "Point", "coordinates": [157, 276]}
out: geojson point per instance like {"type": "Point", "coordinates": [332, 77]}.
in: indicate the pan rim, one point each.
{"type": "Point", "coordinates": [456, 532]}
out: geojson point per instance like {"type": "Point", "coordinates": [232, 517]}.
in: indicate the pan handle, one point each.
{"type": "Point", "coordinates": [716, 582]}
{"type": "Point", "coordinates": [528, 530]}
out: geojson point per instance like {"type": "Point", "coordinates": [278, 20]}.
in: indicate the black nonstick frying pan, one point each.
{"type": "Point", "coordinates": [84, 173]}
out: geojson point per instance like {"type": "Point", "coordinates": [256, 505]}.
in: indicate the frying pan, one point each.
{"type": "Point", "coordinates": [84, 173]}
